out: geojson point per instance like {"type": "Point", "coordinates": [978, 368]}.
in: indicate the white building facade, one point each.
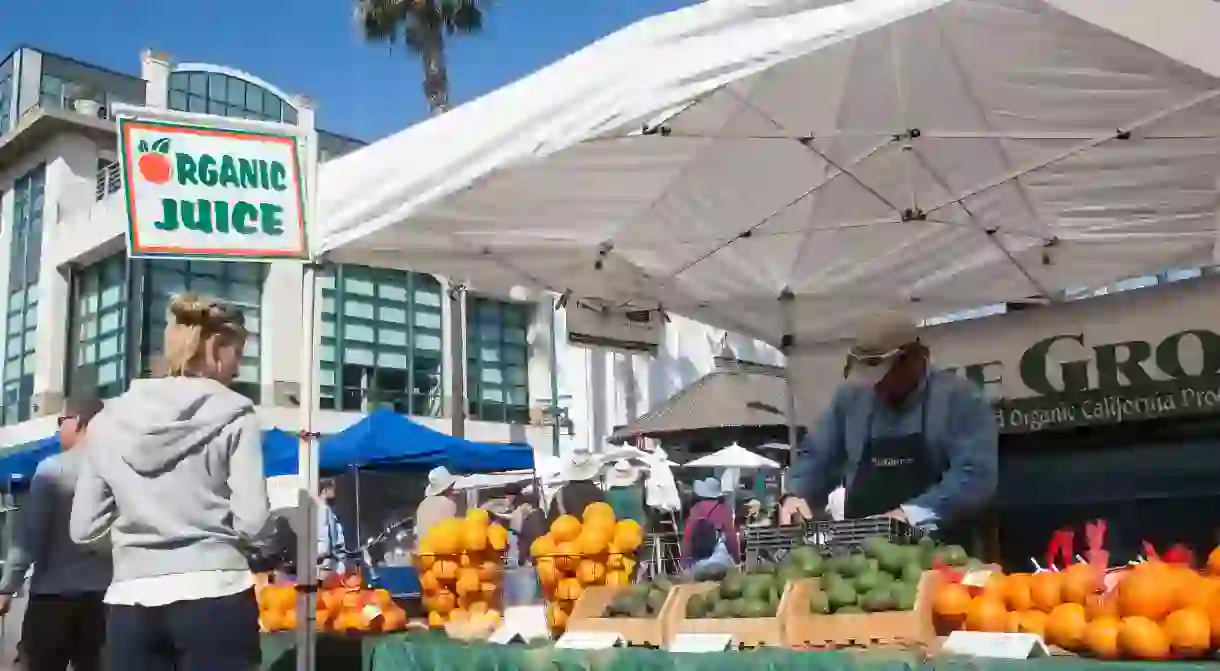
{"type": "Point", "coordinates": [81, 315]}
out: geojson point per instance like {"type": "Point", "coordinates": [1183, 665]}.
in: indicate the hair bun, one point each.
{"type": "Point", "coordinates": [188, 309]}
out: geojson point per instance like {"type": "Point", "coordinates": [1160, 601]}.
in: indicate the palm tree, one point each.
{"type": "Point", "coordinates": [423, 25]}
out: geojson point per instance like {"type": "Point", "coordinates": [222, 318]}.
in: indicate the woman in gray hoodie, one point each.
{"type": "Point", "coordinates": [174, 473]}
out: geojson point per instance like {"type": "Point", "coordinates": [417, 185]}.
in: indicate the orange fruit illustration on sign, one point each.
{"type": "Point", "coordinates": [154, 162]}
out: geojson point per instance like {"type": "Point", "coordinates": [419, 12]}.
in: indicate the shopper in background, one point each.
{"type": "Point", "coordinates": [710, 528]}
{"type": "Point", "coordinates": [625, 492]}
{"type": "Point", "coordinates": [65, 619]}
{"type": "Point", "coordinates": [332, 548]}
{"type": "Point", "coordinates": [793, 510]}
{"type": "Point", "coordinates": [438, 504]}
{"type": "Point", "coordinates": [173, 471]}
{"type": "Point", "coordinates": [912, 443]}
{"type": "Point", "coordinates": [579, 489]}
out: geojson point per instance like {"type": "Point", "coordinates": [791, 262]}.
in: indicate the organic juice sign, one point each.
{"type": "Point", "coordinates": [194, 191]}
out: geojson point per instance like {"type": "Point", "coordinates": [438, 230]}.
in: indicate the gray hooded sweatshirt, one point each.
{"type": "Point", "coordinates": [174, 471]}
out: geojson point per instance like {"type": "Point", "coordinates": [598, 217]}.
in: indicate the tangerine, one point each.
{"type": "Point", "coordinates": [986, 613]}
{"type": "Point", "coordinates": [591, 572]}
{"type": "Point", "coordinates": [1142, 638]}
{"type": "Point", "coordinates": [1100, 606]}
{"type": "Point", "coordinates": [628, 536]}
{"type": "Point", "coordinates": [598, 510]}
{"type": "Point", "coordinates": [565, 529]}
{"type": "Point", "coordinates": [592, 541]}
{"type": "Point", "coordinates": [543, 546]}
{"type": "Point", "coordinates": [1213, 562]}
{"type": "Point", "coordinates": [1032, 622]}
{"type": "Point", "coordinates": [1065, 626]}
{"type": "Point", "coordinates": [1145, 593]}
{"type": "Point", "coordinates": [478, 516]}
{"type": "Point", "coordinates": [1189, 632]}
{"type": "Point", "coordinates": [1079, 582]}
{"type": "Point", "coordinates": [1046, 590]}
{"type": "Point", "coordinates": [1101, 638]}
{"type": "Point", "coordinates": [950, 603]}
{"type": "Point", "coordinates": [497, 537]}
{"type": "Point", "coordinates": [474, 536]}
{"type": "Point", "coordinates": [1017, 588]}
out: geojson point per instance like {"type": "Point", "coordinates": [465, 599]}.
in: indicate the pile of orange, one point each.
{"type": "Point", "coordinates": [344, 605]}
{"type": "Point", "coordinates": [576, 553]}
{"type": "Point", "coordinates": [1157, 610]}
{"type": "Point", "coordinates": [461, 566]}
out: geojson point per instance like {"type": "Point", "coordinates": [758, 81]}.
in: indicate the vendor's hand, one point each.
{"type": "Point", "coordinates": [897, 515]}
{"type": "Point", "coordinates": [6, 604]}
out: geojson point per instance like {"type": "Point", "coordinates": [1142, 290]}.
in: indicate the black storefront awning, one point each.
{"type": "Point", "coordinates": [746, 396]}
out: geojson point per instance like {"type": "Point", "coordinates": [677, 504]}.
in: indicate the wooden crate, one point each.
{"type": "Point", "coordinates": [747, 632]}
{"type": "Point", "coordinates": [905, 629]}
{"type": "Point", "coordinates": [642, 631]}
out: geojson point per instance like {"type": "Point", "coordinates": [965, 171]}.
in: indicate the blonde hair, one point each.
{"type": "Point", "coordinates": [192, 320]}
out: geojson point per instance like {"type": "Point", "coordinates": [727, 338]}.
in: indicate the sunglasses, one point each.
{"type": "Point", "coordinates": [872, 360]}
{"type": "Point", "coordinates": [59, 421]}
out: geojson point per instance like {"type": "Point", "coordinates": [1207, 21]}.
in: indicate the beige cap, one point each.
{"type": "Point", "coordinates": [883, 332]}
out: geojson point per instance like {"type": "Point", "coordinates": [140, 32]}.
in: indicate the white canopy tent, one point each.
{"type": "Point", "coordinates": [733, 456]}
{"type": "Point", "coordinates": [780, 167]}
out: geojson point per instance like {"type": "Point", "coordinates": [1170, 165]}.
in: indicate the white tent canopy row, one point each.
{"type": "Point", "coordinates": [781, 167]}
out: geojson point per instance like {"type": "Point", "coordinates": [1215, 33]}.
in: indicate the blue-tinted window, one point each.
{"type": "Point", "coordinates": [381, 341]}
{"type": "Point", "coordinates": [21, 311]}
{"type": "Point", "coordinates": [497, 360]}
{"type": "Point", "coordinates": [223, 95]}
{"type": "Point", "coordinates": [239, 283]}
{"type": "Point", "coordinates": [98, 332]}
{"type": "Point", "coordinates": [7, 88]}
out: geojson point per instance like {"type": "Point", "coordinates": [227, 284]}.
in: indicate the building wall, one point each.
{"type": "Point", "coordinates": [84, 226]}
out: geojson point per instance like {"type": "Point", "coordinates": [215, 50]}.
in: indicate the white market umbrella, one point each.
{"type": "Point", "coordinates": [781, 167]}
{"type": "Point", "coordinates": [733, 456]}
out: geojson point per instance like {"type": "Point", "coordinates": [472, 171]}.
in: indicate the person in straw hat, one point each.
{"type": "Point", "coordinates": [914, 443]}
{"type": "Point", "coordinates": [580, 470]}
{"type": "Point", "coordinates": [625, 493]}
{"type": "Point", "coordinates": [439, 503]}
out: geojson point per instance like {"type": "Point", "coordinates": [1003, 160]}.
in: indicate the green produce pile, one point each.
{"type": "Point", "coordinates": [881, 576]}
{"type": "Point", "coordinates": [755, 593]}
{"type": "Point", "coordinates": [641, 600]}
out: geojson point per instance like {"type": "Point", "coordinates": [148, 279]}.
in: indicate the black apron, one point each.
{"type": "Point", "coordinates": [895, 469]}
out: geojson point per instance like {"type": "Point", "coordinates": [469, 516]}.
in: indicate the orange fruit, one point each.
{"type": "Point", "coordinates": [617, 579]}
{"type": "Point", "coordinates": [592, 541]}
{"type": "Point", "coordinates": [614, 559]}
{"type": "Point", "coordinates": [446, 537]}
{"type": "Point", "coordinates": [1065, 626]}
{"type": "Point", "coordinates": [497, 537]}
{"type": "Point", "coordinates": [950, 603]}
{"type": "Point", "coordinates": [569, 589]}
{"type": "Point", "coordinates": [478, 517]}
{"type": "Point", "coordinates": [1142, 638]}
{"type": "Point", "coordinates": [444, 602]}
{"type": "Point", "coordinates": [1032, 622]}
{"type": "Point", "coordinates": [567, 556]}
{"type": "Point", "coordinates": [1046, 590]}
{"type": "Point", "coordinates": [1012, 622]}
{"type": "Point", "coordinates": [628, 536]}
{"type": "Point", "coordinates": [1146, 594]}
{"type": "Point", "coordinates": [323, 618]}
{"type": "Point", "coordinates": [474, 536]}
{"type": "Point", "coordinates": [428, 582]}
{"type": "Point", "coordinates": [548, 575]}
{"type": "Point", "coordinates": [1016, 592]}
{"type": "Point", "coordinates": [591, 572]}
{"type": "Point", "coordinates": [1213, 562]}
{"type": "Point", "coordinates": [490, 570]}
{"type": "Point", "coordinates": [543, 546]}
{"type": "Point", "coordinates": [598, 510]}
{"type": "Point", "coordinates": [986, 613]}
{"type": "Point", "coordinates": [565, 528]}
{"type": "Point", "coordinates": [468, 581]}
{"type": "Point", "coordinates": [556, 616]}
{"type": "Point", "coordinates": [1078, 583]}
{"type": "Point", "coordinates": [1101, 606]}
{"type": "Point", "coordinates": [1101, 638]}
{"type": "Point", "coordinates": [425, 554]}
{"type": "Point", "coordinates": [445, 570]}
{"type": "Point", "coordinates": [1213, 617]}
{"type": "Point", "coordinates": [1189, 633]}
{"type": "Point", "coordinates": [394, 619]}
{"type": "Point", "coordinates": [436, 620]}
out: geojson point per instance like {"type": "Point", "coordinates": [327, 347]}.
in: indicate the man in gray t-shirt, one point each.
{"type": "Point", "coordinates": [65, 620]}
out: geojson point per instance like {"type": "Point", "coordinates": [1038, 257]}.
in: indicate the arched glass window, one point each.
{"type": "Point", "coordinates": [225, 95]}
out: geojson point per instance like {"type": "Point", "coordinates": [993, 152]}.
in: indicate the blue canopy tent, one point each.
{"type": "Point", "coordinates": [280, 451]}
{"type": "Point", "coordinates": [387, 439]}
{"type": "Point", "coordinates": [17, 467]}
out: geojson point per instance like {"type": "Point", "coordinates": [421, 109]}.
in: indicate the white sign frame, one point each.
{"type": "Point", "coordinates": [301, 164]}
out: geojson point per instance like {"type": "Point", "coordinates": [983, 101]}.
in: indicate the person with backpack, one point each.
{"type": "Point", "coordinates": [579, 488]}
{"type": "Point", "coordinates": [710, 530]}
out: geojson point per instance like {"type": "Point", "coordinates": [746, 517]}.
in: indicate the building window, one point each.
{"type": "Point", "coordinates": [6, 99]}
{"type": "Point", "coordinates": [236, 282]}
{"type": "Point", "coordinates": [223, 95]}
{"type": "Point", "coordinates": [381, 341]}
{"type": "Point", "coordinates": [107, 178]}
{"type": "Point", "coordinates": [497, 356]}
{"type": "Point", "coordinates": [22, 305]}
{"type": "Point", "coordinates": [98, 333]}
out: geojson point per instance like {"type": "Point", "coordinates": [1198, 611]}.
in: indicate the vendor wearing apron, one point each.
{"type": "Point", "coordinates": [911, 443]}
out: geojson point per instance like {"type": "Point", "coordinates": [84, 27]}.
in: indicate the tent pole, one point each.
{"type": "Point", "coordinates": [788, 347]}
{"type": "Point", "coordinates": [457, 368]}
{"type": "Point", "coordinates": [554, 366]}
{"type": "Point", "coordinates": [307, 469]}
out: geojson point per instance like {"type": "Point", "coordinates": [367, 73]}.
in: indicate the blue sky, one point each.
{"type": "Point", "coordinates": [314, 46]}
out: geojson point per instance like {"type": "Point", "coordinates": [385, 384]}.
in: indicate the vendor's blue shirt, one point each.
{"type": "Point", "coordinates": [961, 434]}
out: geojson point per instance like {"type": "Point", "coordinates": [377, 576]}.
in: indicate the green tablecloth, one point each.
{"type": "Point", "coordinates": [434, 652]}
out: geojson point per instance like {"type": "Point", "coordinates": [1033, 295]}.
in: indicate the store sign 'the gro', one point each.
{"type": "Point", "coordinates": [196, 191]}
